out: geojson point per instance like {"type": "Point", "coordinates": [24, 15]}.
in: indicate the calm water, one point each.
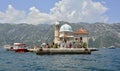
{"type": "Point", "coordinates": [102, 60]}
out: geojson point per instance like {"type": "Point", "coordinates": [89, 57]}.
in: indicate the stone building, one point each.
{"type": "Point", "coordinates": [65, 34]}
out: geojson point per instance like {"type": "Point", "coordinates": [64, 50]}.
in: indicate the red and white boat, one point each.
{"type": "Point", "coordinates": [17, 47]}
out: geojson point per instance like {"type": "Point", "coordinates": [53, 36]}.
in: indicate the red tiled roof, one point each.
{"type": "Point", "coordinates": [81, 31]}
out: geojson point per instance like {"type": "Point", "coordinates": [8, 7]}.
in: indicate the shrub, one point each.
{"type": "Point", "coordinates": [84, 45]}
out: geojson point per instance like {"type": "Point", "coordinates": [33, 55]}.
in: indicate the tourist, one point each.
{"type": "Point", "coordinates": [47, 45]}
{"type": "Point", "coordinates": [70, 45]}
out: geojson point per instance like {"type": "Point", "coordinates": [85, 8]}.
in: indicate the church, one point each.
{"type": "Point", "coordinates": [66, 37]}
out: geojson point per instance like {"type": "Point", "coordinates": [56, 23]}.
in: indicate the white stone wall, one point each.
{"type": "Point", "coordinates": [56, 34]}
{"type": "Point", "coordinates": [84, 38]}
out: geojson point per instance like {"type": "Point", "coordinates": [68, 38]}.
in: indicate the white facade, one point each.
{"type": "Point", "coordinates": [66, 34]}
{"type": "Point", "coordinates": [56, 33]}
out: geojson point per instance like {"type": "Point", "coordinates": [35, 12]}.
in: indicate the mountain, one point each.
{"type": "Point", "coordinates": [29, 34]}
{"type": "Point", "coordinates": [100, 34]}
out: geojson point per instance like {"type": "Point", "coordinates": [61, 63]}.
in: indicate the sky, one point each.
{"type": "Point", "coordinates": [49, 11]}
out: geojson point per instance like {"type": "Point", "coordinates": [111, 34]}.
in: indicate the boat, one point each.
{"type": "Point", "coordinates": [111, 47]}
{"type": "Point", "coordinates": [17, 47]}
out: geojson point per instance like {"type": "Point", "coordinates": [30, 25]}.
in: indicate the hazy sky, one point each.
{"type": "Point", "coordinates": [49, 11]}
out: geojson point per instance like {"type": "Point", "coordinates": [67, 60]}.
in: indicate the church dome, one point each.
{"type": "Point", "coordinates": [65, 28]}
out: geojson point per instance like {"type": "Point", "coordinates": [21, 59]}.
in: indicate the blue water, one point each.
{"type": "Point", "coordinates": [102, 60]}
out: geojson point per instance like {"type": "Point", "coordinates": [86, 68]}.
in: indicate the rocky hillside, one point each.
{"type": "Point", "coordinates": [100, 34]}
{"type": "Point", "coordinates": [30, 34]}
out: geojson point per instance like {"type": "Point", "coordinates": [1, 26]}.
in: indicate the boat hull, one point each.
{"type": "Point", "coordinates": [21, 50]}
{"type": "Point", "coordinates": [18, 50]}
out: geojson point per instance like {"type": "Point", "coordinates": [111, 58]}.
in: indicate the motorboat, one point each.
{"type": "Point", "coordinates": [17, 47]}
{"type": "Point", "coordinates": [111, 47]}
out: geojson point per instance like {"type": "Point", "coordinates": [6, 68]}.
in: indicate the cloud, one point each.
{"type": "Point", "coordinates": [64, 10]}
{"type": "Point", "coordinates": [12, 15]}
{"type": "Point", "coordinates": [37, 17]}
{"type": "Point", "coordinates": [79, 11]}
{"type": "Point", "coordinates": [33, 17]}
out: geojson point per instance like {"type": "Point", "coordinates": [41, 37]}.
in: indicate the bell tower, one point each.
{"type": "Point", "coordinates": [56, 33]}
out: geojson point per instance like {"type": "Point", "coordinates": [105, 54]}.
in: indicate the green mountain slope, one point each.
{"type": "Point", "coordinates": [100, 34]}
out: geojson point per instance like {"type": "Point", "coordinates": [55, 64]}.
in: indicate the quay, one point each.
{"type": "Point", "coordinates": [62, 51]}
{"type": "Point", "coordinates": [42, 51]}
{"type": "Point", "coordinates": [93, 49]}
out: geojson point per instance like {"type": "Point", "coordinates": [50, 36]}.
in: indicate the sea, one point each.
{"type": "Point", "coordinates": [103, 60]}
